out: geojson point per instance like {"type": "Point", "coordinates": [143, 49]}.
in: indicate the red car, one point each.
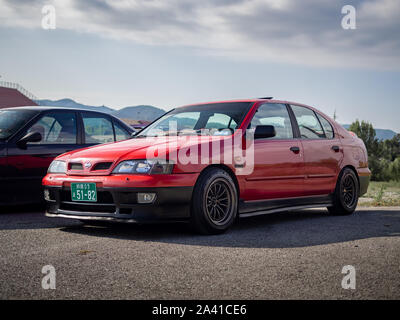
{"type": "Point", "coordinates": [210, 163]}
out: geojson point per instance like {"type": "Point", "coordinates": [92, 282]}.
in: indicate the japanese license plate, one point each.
{"type": "Point", "coordinates": [83, 191]}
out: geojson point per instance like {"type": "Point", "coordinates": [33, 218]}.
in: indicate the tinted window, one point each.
{"type": "Point", "coordinates": [56, 128]}
{"type": "Point", "coordinates": [98, 129]}
{"type": "Point", "coordinates": [327, 127]}
{"type": "Point", "coordinates": [309, 125]}
{"type": "Point", "coordinates": [275, 115]}
{"type": "Point", "coordinates": [120, 132]}
{"type": "Point", "coordinates": [12, 120]}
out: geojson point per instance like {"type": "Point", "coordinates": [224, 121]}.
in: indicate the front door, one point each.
{"type": "Point", "coordinates": [278, 161]}
{"type": "Point", "coordinates": [27, 165]}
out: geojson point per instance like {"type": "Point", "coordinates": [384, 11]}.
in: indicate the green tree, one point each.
{"type": "Point", "coordinates": [365, 131]}
{"type": "Point", "coordinates": [379, 166]}
{"type": "Point", "coordinates": [391, 148]}
{"type": "Point", "coordinates": [394, 169]}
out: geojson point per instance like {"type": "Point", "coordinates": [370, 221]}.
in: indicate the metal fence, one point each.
{"type": "Point", "coordinates": [13, 85]}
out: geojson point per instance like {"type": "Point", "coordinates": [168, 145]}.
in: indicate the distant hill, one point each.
{"type": "Point", "coordinates": [381, 134]}
{"type": "Point", "coordinates": [142, 112]}
{"type": "Point", "coordinates": [69, 103]}
{"type": "Point", "coordinates": [146, 113]}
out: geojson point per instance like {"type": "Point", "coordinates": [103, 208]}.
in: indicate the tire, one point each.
{"type": "Point", "coordinates": [214, 202]}
{"type": "Point", "coordinates": [345, 197]}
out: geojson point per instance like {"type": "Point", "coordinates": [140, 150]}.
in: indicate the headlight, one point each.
{"type": "Point", "coordinates": [57, 166]}
{"type": "Point", "coordinates": [144, 167]}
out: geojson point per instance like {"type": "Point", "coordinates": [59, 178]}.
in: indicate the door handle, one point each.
{"type": "Point", "coordinates": [335, 148]}
{"type": "Point", "coordinates": [295, 149]}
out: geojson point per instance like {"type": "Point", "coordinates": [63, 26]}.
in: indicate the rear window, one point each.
{"type": "Point", "coordinates": [327, 127]}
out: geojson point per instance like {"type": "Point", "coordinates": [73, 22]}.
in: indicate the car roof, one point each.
{"type": "Point", "coordinates": [46, 108]}
{"type": "Point", "coordinates": [50, 108]}
{"type": "Point", "coordinates": [250, 101]}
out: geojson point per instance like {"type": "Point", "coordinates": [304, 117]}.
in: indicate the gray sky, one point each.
{"type": "Point", "coordinates": [173, 52]}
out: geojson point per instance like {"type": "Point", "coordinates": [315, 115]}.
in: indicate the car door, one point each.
{"type": "Point", "coordinates": [28, 164]}
{"type": "Point", "coordinates": [278, 161]}
{"type": "Point", "coordinates": [322, 151]}
{"type": "Point", "coordinates": [3, 172]}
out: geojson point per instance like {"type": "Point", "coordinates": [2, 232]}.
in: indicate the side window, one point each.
{"type": "Point", "coordinates": [120, 132]}
{"type": "Point", "coordinates": [220, 121]}
{"type": "Point", "coordinates": [309, 126]}
{"type": "Point", "coordinates": [327, 127]}
{"type": "Point", "coordinates": [56, 128]}
{"type": "Point", "coordinates": [276, 115]}
{"type": "Point", "coordinates": [98, 129]}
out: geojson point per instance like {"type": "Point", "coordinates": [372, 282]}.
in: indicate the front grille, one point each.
{"type": "Point", "coordinates": [104, 203]}
{"type": "Point", "coordinates": [102, 166]}
{"type": "Point", "coordinates": [75, 166]}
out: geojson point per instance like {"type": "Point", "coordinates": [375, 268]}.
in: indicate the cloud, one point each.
{"type": "Point", "coordinates": [301, 32]}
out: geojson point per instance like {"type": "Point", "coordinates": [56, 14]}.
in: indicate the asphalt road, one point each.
{"type": "Point", "coordinates": [297, 255]}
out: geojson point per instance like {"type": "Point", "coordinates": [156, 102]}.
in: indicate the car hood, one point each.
{"type": "Point", "coordinates": [139, 148]}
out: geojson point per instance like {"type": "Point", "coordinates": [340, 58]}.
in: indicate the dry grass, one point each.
{"type": "Point", "coordinates": [385, 194]}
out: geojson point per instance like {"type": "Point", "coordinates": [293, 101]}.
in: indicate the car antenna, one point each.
{"type": "Point", "coordinates": [266, 98]}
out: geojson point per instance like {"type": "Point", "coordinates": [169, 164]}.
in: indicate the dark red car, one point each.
{"type": "Point", "coordinates": [31, 137]}
{"type": "Point", "coordinates": [210, 163]}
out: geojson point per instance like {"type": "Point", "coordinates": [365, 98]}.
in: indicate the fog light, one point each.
{"type": "Point", "coordinates": [145, 197]}
{"type": "Point", "coordinates": [47, 195]}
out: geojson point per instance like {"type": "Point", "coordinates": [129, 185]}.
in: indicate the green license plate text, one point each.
{"type": "Point", "coordinates": [83, 191]}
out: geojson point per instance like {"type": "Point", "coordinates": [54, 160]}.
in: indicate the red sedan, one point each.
{"type": "Point", "coordinates": [210, 163]}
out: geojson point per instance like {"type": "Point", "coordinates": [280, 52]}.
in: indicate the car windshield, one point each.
{"type": "Point", "coordinates": [205, 119]}
{"type": "Point", "coordinates": [12, 120]}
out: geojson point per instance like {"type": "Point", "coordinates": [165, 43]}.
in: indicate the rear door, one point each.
{"type": "Point", "coordinates": [278, 161]}
{"type": "Point", "coordinates": [322, 151]}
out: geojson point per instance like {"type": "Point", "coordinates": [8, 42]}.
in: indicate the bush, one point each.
{"type": "Point", "coordinates": [380, 168]}
{"type": "Point", "coordinates": [394, 169]}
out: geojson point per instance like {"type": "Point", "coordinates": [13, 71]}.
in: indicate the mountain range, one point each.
{"type": "Point", "coordinates": [148, 113]}
{"type": "Point", "coordinates": [142, 112]}
{"type": "Point", "coordinates": [381, 134]}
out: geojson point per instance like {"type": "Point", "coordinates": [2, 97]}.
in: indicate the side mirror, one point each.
{"type": "Point", "coordinates": [29, 137]}
{"type": "Point", "coordinates": [263, 132]}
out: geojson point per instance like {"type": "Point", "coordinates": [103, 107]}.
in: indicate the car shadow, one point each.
{"type": "Point", "coordinates": [17, 217]}
{"type": "Point", "coordinates": [281, 230]}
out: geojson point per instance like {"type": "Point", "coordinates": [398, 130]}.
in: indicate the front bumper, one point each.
{"type": "Point", "coordinates": [120, 204]}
